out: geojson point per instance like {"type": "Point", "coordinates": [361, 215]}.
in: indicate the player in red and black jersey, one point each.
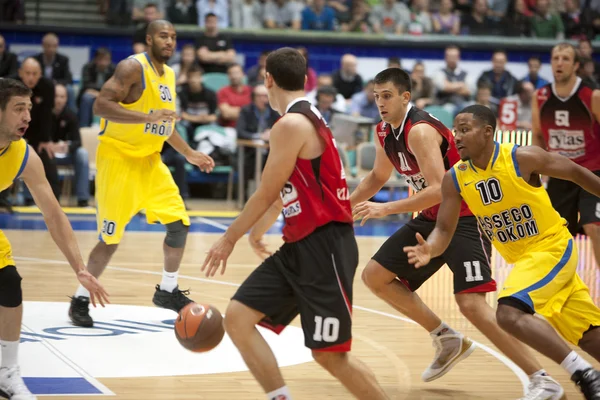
{"type": "Point", "coordinates": [565, 117]}
{"type": "Point", "coordinates": [422, 149]}
{"type": "Point", "coordinates": [313, 272]}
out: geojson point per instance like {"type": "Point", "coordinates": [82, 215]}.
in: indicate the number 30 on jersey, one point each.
{"type": "Point", "coordinates": [165, 93]}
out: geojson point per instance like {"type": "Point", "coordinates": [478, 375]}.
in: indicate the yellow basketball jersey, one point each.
{"type": "Point", "coordinates": [141, 140]}
{"type": "Point", "coordinates": [517, 217]}
{"type": "Point", "coordinates": [13, 159]}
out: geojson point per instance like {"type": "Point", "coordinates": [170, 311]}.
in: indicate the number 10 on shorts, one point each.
{"type": "Point", "coordinates": [326, 329]}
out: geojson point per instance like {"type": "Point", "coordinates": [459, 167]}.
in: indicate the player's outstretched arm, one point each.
{"type": "Point", "coordinates": [59, 226]}
{"type": "Point", "coordinates": [445, 226]}
{"type": "Point", "coordinates": [533, 160]}
{"type": "Point", "coordinates": [537, 137]}
{"type": "Point", "coordinates": [375, 179]}
{"type": "Point", "coordinates": [127, 74]}
{"type": "Point", "coordinates": [262, 226]}
{"type": "Point", "coordinates": [201, 160]}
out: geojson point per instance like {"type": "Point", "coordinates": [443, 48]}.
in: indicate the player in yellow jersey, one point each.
{"type": "Point", "coordinates": [19, 160]}
{"type": "Point", "coordinates": [137, 106]}
{"type": "Point", "coordinates": [501, 185]}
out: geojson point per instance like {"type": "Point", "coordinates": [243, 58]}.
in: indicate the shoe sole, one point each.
{"type": "Point", "coordinates": [458, 358]}
{"type": "Point", "coordinates": [80, 325]}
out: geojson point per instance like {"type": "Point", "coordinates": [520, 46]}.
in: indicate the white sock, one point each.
{"type": "Point", "coordinates": [541, 372]}
{"type": "Point", "coordinates": [169, 281]}
{"type": "Point", "coordinates": [10, 351]}
{"type": "Point", "coordinates": [574, 362]}
{"type": "Point", "coordinates": [82, 292]}
{"type": "Point", "coordinates": [442, 330]}
{"type": "Point", "coordinates": [282, 392]}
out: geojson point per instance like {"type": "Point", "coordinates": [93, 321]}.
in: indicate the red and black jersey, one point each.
{"type": "Point", "coordinates": [569, 126]}
{"type": "Point", "coordinates": [316, 192]}
{"type": "Point", "coordinates": [395, 144]}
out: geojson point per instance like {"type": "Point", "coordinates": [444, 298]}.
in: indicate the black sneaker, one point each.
{"type": "Point", "coordinates": [589, 382]}
{"type": "Point", "coordinates": [79, 312]}
{"type": "Point", "coordinates": [171, 301]}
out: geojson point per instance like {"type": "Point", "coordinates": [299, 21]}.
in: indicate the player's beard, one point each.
{"type": "Point", "coordinates": [156, 52]}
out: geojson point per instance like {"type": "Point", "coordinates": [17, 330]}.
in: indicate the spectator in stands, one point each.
{"type": "Point", "coordinates": [523, 96]}
{"type": "Point", "coordinates": [119, 12]}
{"type": "Point", "coordinates": [483, 97]}
{"type": "Point", "coordinates": [546, 24]}
{"type": "Point", "coordinates": [363, 103]}
{"type": "Point", "coordinates": [578, 24]}
{"type": "Point", "coordinates": [218, 8]}
{"type": "Point", "coordinates": [247, 14]}
{"type": "Point", "coordinates": [186, 61]}
{"type": "Point", "coordinates": [318, 17]}
{"type": "Point", "coordinates": [343, 9]}
{"type": "Point", "coordinates": [360, 20]}
{"type": "Point", "coordinates": [214, 50]}
{"type": "Point", "coordinates": [446, 21]}
{"type": "Point", "coordinates": [140, 7]}
{"type": "Point", "coordinates": [93, 76]}
{"type": "Point", "coordinates": [253, 73]}
{"type": "Point", "coordinates": [325, 99]}
{"type": "Point", "coordinates": [394, 62]}
{"type": "Point", "coordinates": [422, 87]}
{"type": "Point", "coordinates": [182, 12]}
{"type": "Point", "coordinates": [477, 22]}
{"type": "Point", "coordinates": [346, 80]}
{"type": "Point", "coordinates": [586, 50]}
{"type": "Point", "coordinates": [38, 133]}
{"type": "Point", "coordinates": [390, 17]}
{"type": "Point", "coordinates": [587, 72]}
{"type": "Point", "coordinates": [151, 13]}
{"type": "Point", "coordinates": [453, 90]}
{"type": "Point", "coordinates": [67, 144]}
{"type": "Point", "coordinates": [8, 61]}
{"type": "Point", "coordinates": [232, 98]}
{"type": "Point", "coordinates": [55, 66]}
{"type": "Point", "coordinates": [283, 14]}
{"type": "Point", "coordinates": [517, 21]}
{"type": "Point", "coordinates": [535, 64]}
{"type": "Point", "coordinates": [498, 9]}
{"type": "Point", "coordinates": [420, 19]}
{"type": "Point", "coordinates": [311, 75]}
{"type": "Point", "coordinates": [501, 81]}
{"type": "Point", "coordinates": [327, 80]}
{"type": "Point", "coordinates": [198, 105]}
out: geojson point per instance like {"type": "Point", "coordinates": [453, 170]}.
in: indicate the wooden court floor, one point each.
{"type": "Point", "coordinates": [396, 349]}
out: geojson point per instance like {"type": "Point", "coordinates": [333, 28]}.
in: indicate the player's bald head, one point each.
{"type": "Point", "coordinates": [157, 26]}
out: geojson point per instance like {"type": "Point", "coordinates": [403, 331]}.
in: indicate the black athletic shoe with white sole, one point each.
{"type": "Point", "coordinates": [175, 300]}
{"type": "Point", "coordinates": [79, 312]}
{"type": "Point", "coordinates": [589, 382]}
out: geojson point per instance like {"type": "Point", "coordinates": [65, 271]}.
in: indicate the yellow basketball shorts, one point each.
{"type": "Point", "coordinates": [547, 281]}
{"type": "Point", "coordinates": [6, 258]}
{"type": "Point", "coordinates": [126, 185]}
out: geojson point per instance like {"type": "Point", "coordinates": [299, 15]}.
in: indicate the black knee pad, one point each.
{"type": "Point", "coordinates": [176, 234]}
{"type": "Point", "coordinates": [11, 294]}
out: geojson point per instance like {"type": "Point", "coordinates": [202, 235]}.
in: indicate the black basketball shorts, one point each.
{"type": "Point", "coordinates": [574, 204]}
{"type": "Point", "coordinates": [468, 256]}
{"type": "Point", "coordinates": [312, 277]}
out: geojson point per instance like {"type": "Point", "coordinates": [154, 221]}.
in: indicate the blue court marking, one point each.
{"type": "Point", "coordinates": [60, 386]}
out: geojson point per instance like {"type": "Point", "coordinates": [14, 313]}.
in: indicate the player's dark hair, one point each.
{"type": "Point", "coordinates": [481, 113]}
{"type": "Point", "coordinates": [287, 66]}
{"type": "Point", "coordinates": [10, 88]}
{"type": "Point", "coordinates": [399, 78]}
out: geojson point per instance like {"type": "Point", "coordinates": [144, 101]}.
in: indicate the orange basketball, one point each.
{"type": "Point", "coordinates": [199, 327]}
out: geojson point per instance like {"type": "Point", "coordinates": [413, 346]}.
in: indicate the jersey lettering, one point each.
{"type": "Point", "coordinates": [163, 128]}
{"type": "Point", "coordinates": [510, 225]}
{"type": "Point", "coordinates": [403, 163]}
{"type": "Point", "coordinates": [567, 143]}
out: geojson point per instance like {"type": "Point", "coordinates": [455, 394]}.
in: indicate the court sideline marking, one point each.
{"type": "Point", "coordinates": [500, 357]}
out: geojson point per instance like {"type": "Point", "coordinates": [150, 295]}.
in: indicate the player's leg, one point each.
{"type": "Point", "coordinates": [392, 278]}
{"type": "Point", "coordinates": [11, 315]}
{"type": "Point", "coordinates": [265, 298]}
{"type": "Point", "coordinates": [165, 205]}
{"type": "Point", "coordinates": [589, 219]}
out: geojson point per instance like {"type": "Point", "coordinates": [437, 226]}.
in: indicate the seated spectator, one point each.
{"type": "Point", "coordinates": [420, 19]}
{"type": "Point", "coordinates": [253, 74]}
{"type": "Point", "coordinates": [197, 104]}
{"type": "Point", "coordinates": [325, 99]}
{"type": "Point", "coordinates": [311, 75]}
{"type": "Point", "coordinates": [446, 21]}
{"type": "Point", "coordinates": [578, 24]}
{"type": "Point", "coordinates": [522, 99]}
{"type": "Point", "coordinates": [477, 22]}
{"type": "Point", "coordinates": [363, 103]}
{"type": "Point", "coordinates": [214, 50]}
{"type": "Point", "coordinates": [394, 62]}
{"type": "Point", "coordinates": [339, 105]}
{"type": "Point", "coordinates": [499, 79]}
{"type": "Point", "coordinates": [498, 9]}
{"type": "Point", "coordinates": [67, 145]}
{"type": "Point", "coordinates": [247, 14]}
{"type": "Point", "coordinates": [587, 72]}
{"type": "Point", "coordinates": [360, 20]}
{"type": "Point", "coordinates": [390, 17]}
{"type": "Point", "coordinates": [93, 76]}
{"type": "Point", "coordinates": [452, 83]}
{"type": "Point", "coordinates": [55, 66]}
{"type": "Point", "coordinates": [151, 13]}
{"type": "Point", "coordinates": [233, 97]}
{"type": "Point", "coordinates": [535, 64]}
{"type": "Point", "coordinates": [318, 17]}
{"type": "Point", "coordinates": [8, 61]}
{"type": "Point", "coordinates": [342, 8]}
{"type": "Point", "coordinates": [422, 87]}
{"type": "Point", "coordinates": [283, 14]}
{"type": "Point", "coordinates": [182, 12]}
{"type": "Point", "coordinates": [517, 21]}
{"type": "Point", "coordinates": [484, 97]}
{"type": "Point", "coordinates": [186, 61]}
{"type": "Point", "coordinates": [346, 80]}
{"type": "Point", "coordinates": [140, 7]}
{"type": "Point", "coordinates": [546, 24]}
{"type": "Point", "coordinates": [217, 8]}
{"type": "Point", "coordinates": [12, 11]}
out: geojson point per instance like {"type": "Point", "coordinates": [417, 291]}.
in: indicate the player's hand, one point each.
{"type": "Point", "coordinates": [218, 253]}
{"type": "Point", "coordinates": [367, 210]}
{"type": "Point", "coordinates": [419, 255]}
{"type": "Point", "coordinates": [259, 247]}
{"type": "Point", "coordinates": [96, 289]}
{"type": "Point", "coordinates": [204, 162]}
{"type": "Point", "coordinates": [162, 115]}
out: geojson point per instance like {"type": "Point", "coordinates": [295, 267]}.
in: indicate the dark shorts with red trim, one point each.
{"type": "Point", "coordinates": [467, 256]}
{"type": "Point", "coordinates": [312, 277]}
{"type": "Point", "coordinates": [578, 206]}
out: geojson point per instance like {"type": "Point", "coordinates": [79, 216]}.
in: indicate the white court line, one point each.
{"type": "Point", "coordinates": [211, 223]}
{"type": "Point", "coordinates": [503, 359]}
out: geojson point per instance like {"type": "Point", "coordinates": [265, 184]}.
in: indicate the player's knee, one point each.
{"type": "Point", "coordinates": [508, 317]}
{"type": "Point", "coordinates": [470, 304]}
{"type": "Point", "coordinates": [236, 321]}
{"type": "Point", "coordinates": [592, 231]}
{"type": "Point", "coordinates": [590, 339]}
{"type": "Point", "coordinates": [176, 234]}
{"type": "Point", "coordinates": [331, 361]}
{"type": "Point", "coordinates": [11, 294]}
{"type": "Point", "coordinates": [371, 276]}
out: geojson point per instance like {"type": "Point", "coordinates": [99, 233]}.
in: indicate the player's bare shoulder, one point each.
{"type": "Point", "coordinates": [298, 130]}
{"type": "Point", "coordinates": [126, 85]}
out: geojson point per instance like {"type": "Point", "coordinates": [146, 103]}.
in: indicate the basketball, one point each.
{"type": "Point", "coordinates": [199, 327]}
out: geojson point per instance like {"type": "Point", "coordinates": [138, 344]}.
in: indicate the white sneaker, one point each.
{"type": "Point", "coordinates": [449, 350]}
{"type": "Point", "coordinates": [12, 385]}
{"type": "Point", "coordinates": [543, 387]}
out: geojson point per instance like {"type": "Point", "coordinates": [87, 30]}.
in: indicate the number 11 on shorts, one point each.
{"type": "Point", "coordinates": [469, 266]}
{"type": "Point", "coordinates": [326, 329]}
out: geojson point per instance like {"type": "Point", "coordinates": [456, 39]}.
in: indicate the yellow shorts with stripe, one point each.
{"type": "Point", "coordinates": [126, 185]}
{"type": "Point", "coordinates": [6, 258]}
{"type": "Point", "coordinates": [547, 281]}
